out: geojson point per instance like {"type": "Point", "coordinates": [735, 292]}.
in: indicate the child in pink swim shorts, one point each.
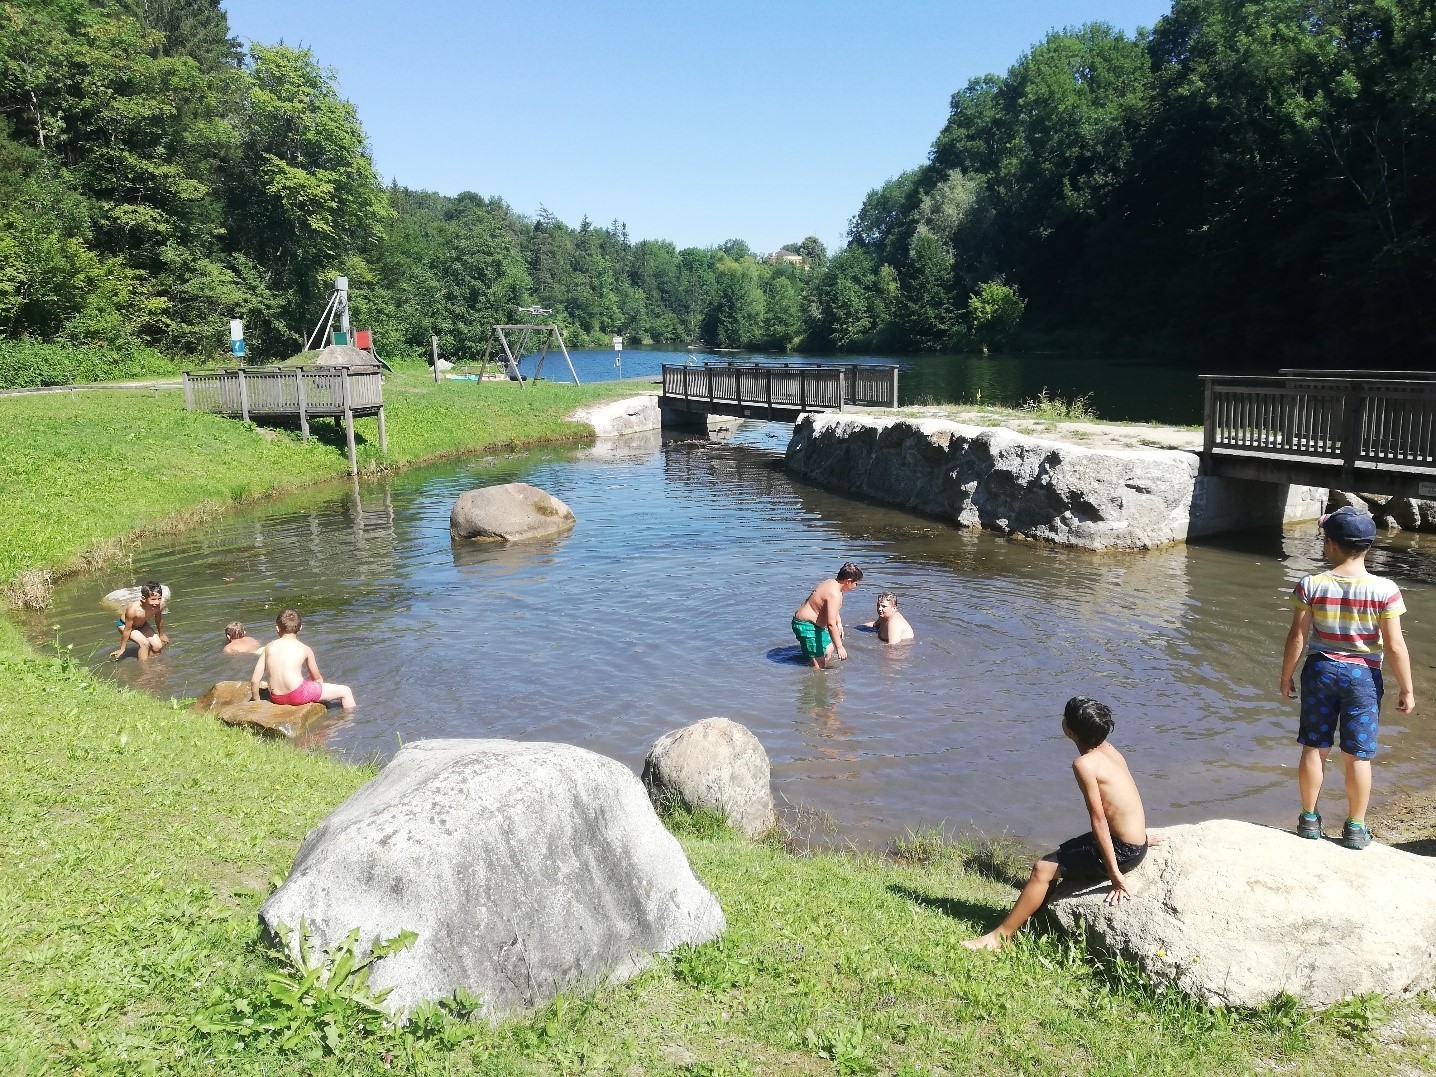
{"type": "Point", "coordinates": [286, 660]}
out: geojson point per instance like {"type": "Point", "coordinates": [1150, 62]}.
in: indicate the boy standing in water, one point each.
{"type": "Point", "coordinates": [286, 660]}
{"type": "Point", "coordinates": [1117, 842]}
{"type": "Point", "coordinates": [1344, 618]}
{"type": "Point", "coordinates": [134, 623]}
{"type": "Point", "coordinates": [818, 622]}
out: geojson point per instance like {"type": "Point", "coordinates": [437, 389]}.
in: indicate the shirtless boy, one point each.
{"type": "Point", "coordinates": [891, 626]}
{"type": "Point", "coordinates": [237, 641]}
{"type": "Point", "coordinates": [286, 660]}
{"type": "Point", "coordinates": [135, 623]}
{"type": "Point", "coordinates": [1116, 843]}
{"type": "Point", "coordinates": [818, 622]}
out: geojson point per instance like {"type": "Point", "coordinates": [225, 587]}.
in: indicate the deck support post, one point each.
{"type": "Point", "coordinates": [1353, 405]}
{"type": "Point", "coordinates": [303, 404]}
{"type": "Point", "coordinates": [348, 421]}
{"type": "Point", "coordinates": [383, 437]}
{"type": "Point", "coordinates": [243, 396]}
{"type": "Point", "coordinates": [895, 385]}
{"type": "Point", "coordinates": [188, 393]}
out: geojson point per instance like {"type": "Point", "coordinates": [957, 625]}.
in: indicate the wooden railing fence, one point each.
{"type": "Point", "coordinates": [783, 387]}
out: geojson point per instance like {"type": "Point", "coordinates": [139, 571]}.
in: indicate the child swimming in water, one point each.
{"type": "Point", "coordinates": [237, 641]}
{"type": "Point", "coordinates": [891, 626]}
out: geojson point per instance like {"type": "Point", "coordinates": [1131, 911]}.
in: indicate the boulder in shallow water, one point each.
{"type": "Point", "coordinates": [229, 702]}
{"type": "Point", "coordinates": [508, 513]}
{"type": "Point", "coordinates": [525, 870]}
{"type": "Point", "coordinates": [1235, 914]}
{"type": "Point", "coordinates": [714, 765]}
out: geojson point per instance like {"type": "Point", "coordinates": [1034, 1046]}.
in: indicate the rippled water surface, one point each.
{"type": "Point", "coordinates": [670, 602]}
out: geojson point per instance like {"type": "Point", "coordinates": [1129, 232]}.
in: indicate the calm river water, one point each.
{"type": "Point", "coordinates": [670, 602]}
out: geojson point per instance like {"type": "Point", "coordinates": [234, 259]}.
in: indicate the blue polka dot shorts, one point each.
{"type": "Point", "coordinates": [1343, 696]}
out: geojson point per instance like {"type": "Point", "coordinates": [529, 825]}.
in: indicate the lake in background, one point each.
{"type": "Point", "coordinates": [1127, 387]}
{"type": "Point", "coordinates": [670, 601]}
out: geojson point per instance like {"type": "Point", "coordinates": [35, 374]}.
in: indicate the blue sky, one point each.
{"type": "Point", "coordinates": [690, 120]}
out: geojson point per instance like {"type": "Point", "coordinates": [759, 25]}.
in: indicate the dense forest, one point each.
{"type": "Point", "coordinates": [1250, 176]}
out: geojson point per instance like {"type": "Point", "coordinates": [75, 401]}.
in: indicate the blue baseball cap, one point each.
{"type": "Point", "coordinates": [1349, 527]}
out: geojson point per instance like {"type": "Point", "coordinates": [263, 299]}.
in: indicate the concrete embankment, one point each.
{"type": "Point", "coordinates": [1033, 487]}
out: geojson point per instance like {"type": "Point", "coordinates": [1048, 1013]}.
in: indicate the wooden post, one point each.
{"type": "Point", "coordinates": [434, 351]}
{"type": "Point", "coordinates": [566, 359]}
{"type": "Point", "coordinates": [383, 437]}
{"type": "Point", "coordinates": [348, 421]}
{"type": "Point", "coordinates": [243, 396]}
{"type": "Point", "coordinates": [802, 390]}
{"type": "Point", "coordinates": [768, 394]}
{"type": "Point", "coordinates": [895, 386]}
{"type": "Point", "coordinates": [188, 393]}
{"type": "Point", "coordinates": [1353, 402]}
{"type": "Point", "coordinates": [303, 404]}
{"type": "Point", "coordinates": [1209, 433]}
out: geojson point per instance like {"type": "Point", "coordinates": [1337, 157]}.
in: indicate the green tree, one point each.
{"type": "Point", "coordinates": [993, 313]}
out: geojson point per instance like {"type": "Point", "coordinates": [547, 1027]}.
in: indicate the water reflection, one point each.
{"type": "Point", "coordinates": [669, 601]}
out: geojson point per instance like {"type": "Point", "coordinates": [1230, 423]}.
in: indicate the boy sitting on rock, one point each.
{"type": "Point", "coordinates": [1117, 842]}
{"type": "Point", "coordinates": [286, 660]}
{"type": "Point", "coordinates": [1343, 619]}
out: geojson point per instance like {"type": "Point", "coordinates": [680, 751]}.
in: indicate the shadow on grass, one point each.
{"type": "Point", "coordinates": [969, 912]}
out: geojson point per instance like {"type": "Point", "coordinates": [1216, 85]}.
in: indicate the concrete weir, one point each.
{"type": "Point", "coordinates": [1020, 485]}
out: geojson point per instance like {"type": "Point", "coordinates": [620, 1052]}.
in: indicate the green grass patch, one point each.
{"type": "Point", "coordinates": [80, 471]}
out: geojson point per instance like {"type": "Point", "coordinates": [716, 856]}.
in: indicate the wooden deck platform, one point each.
{"type": "Point", "coordinates": [301, 393]}
{"type": "Point", "coordinates": [1342, 429]}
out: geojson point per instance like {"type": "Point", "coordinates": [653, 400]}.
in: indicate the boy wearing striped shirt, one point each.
{"type": "Point", "coordinates": [1344, 618]}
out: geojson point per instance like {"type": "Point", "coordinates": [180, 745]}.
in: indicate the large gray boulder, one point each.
{"type": "Point", "coordinates": [1029, 487]}
{"type": "Point", "coordinates": [508, 513]}
{"type": "Point", "coordinates": [526, 870]}
{"type": "Point", "coordinates": [714, 765]}
{"type": "Point", "coordinates": [1235, 914]}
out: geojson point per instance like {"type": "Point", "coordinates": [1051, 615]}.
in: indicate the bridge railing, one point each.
{"type": "Point", "coordinates": [308, 391]}
{"type": "Point", "coordinates": [787, 386]}
{"type": "Point", "coordinates": [1356, 422]}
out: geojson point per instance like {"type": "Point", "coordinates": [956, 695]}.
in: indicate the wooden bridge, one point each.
{"type": "Point", "coordinates": [781, 391]}
{"type": "Point", "coordinates": [301, 393]}
{"type": "Point", "coordinates": [1343, 429]}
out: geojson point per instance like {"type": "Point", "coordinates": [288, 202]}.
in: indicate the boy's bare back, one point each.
{"type": "Point", "coordinates": [285, 660]}
{"type": "Point", "coordinates": [1102, 774]}
{"type": "Point", "coordinates": [826, 597]}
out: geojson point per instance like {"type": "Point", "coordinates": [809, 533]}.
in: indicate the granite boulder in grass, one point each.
{"type": "Point", "coordinates": [524, 870]}
{"type": "Point", "coordinates": [1236, 914]}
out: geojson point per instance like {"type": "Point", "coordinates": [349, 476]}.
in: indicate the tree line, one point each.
{"type": "Point", "coordinates": [1249, 176]}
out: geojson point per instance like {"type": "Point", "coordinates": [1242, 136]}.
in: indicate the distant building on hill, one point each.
{"type": "Point", "coordinates": [792, 258]}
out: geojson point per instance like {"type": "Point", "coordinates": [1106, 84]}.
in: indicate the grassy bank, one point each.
{"type": "Point", "coordinates": [80, 471]}
{"type": "Point", "coordinates": [138, 841]}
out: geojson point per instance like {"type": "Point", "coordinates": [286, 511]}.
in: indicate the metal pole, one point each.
{"type": "Point", "coordinates": [566, 359]}
{"type": "Point", "coordinates": [434, 351]}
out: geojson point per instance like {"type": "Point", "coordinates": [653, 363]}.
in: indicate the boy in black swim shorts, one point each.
{"type": "Point", "coordinates": [1117, 842]}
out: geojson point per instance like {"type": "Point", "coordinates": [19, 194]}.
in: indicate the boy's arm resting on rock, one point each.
{"type": "Point", "coordinates": [1092, 794]}
{"type": "Point", "coordinates": [1295, 645]}
{"type": "Point", "coordinates": [256, 676]}
{"type": "Point", "coordinates": [1393, 640]}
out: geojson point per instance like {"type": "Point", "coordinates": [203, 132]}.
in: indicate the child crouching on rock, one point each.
{"type": "Point", "coordinates": [286, 660]}
{"type": "Point", "coordinates": [1117, 842]}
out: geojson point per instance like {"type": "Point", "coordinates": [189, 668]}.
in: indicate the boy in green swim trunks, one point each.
{"type": "Point", "coordinates": [818, 622]}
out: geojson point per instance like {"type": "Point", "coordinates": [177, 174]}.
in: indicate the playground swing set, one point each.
{"type": "Point", "coordinates": [515, 342]}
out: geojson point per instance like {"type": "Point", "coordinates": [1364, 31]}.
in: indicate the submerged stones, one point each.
{"type": "Point", "coordinates": [1015, 484]}
{"type": "Point", "coordinates": [524, 870]}
{"type": "Point", "coordinates": [714, 765]}
{"type": "Point", "coordinates": [229, 702]}
{"type": "Point", "coordinates": [1235, 914]}
{"type": "Point", "coordinates": [511, 512]}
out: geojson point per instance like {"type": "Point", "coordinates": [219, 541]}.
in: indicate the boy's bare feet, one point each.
{"type": "Point", "coordinates": [991, 941]}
